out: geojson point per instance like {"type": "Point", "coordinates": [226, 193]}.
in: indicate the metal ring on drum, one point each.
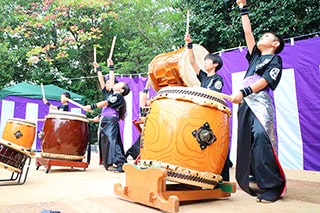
{"type": "Point", "coordinates": [20, 132]}
{"type": "Point", "coordinates": [187, 127]}
{"type": "Point", "coordinates": [174, 68]}
{"type": "Point", "coordinates": [65, 136]}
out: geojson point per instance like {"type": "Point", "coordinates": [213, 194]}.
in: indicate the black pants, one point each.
{"type": "Point", "coordinates": [111, 144]}
{"type": "Point", "coordinates": [134, 150]}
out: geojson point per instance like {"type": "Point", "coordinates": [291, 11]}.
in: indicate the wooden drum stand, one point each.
{"type": "Point", "coordinates": [47, 163]}
{"type": "Point", "coordinates": [151, 187]}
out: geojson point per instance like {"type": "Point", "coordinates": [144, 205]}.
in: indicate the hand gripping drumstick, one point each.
{"type": "Point", "coordinates": [112, 46]}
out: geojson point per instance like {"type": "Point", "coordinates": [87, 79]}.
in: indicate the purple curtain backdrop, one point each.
{"type": "Point", "coordinates": [302, 58]}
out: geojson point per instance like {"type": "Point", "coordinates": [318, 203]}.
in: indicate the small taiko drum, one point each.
{"type": "Point", "coordinates": [12, 157]}
{"type": "Point", "coordinates": [174, 68]}
{"type": "Point", "coordinates": [65, 136]}
{"type": "Point", "coordinates": [19, 131]}
{"type": "Point", "coordinates": [187, 127]}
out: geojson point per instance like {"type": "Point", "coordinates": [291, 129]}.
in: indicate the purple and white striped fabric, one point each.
{"type": "Point", "coordinates": [297, 103]}
{"type": "Point", "coordinates": [296, 99]}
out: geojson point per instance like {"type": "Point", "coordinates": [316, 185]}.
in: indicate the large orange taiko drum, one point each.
{"type": "Point", "coordinates": [20, 132]}
{"type": "Point", "coordinates": [174, 69]}
{"type": "Point", "coordinates": [187, 127]}
{"type": "Point", "coordinates": [65, 136]}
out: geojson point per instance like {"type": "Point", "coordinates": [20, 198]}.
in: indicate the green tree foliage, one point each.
{"type": "Point", "coordinates": [145, 28]}
{"type": "Point", "coordinates": [52, 41]}
{"type": "Point", "coordinates": [217, 25]}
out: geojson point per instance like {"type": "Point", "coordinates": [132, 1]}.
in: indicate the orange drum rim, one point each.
{"type": "Point", "coordinates": [21, 121]}
{"type": "Point", "coordinates": [187, 94]}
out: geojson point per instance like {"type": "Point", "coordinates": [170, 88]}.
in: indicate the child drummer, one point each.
{"type": "Point", "coordinates": [64, 102]}
{"type": "Point", "coordinates": [209, 79]}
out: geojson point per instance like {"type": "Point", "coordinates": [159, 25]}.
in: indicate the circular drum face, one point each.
{"type": "Point", "coordinates": [20, 132]}
{"type": "Point", "coordinates": [174, 68]}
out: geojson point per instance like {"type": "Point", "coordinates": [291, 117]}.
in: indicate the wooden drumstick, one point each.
{"type": "Point", "coordinates": [187, 25]}
{"type": "Point", "coordinates": [75, 103]}
{"type": "Point", "coordinates": [95, 58]}
{"type": "Point", "coordinates": [42, 90]}
{"type": "Point", "coordinates": [188, 20]}
{"type": "Point", "coordinates": [112, 46]}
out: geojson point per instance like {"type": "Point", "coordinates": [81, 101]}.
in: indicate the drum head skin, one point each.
{"type": "Point", "coordinates": [187, 73]}
{"type": "Point", "coordinates": [174, 68]}
{"type": "Point", "coordinates": [19, 131]}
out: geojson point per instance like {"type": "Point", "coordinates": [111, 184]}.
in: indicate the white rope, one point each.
{"type": "Point", "coordinates": [290, 40]}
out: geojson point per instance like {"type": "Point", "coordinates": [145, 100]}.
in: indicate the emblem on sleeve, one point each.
{"type": "Point", "coordinates": [274, 73]}
{"type": "Point", "coordinates": [218, 85]}
{"type": "Point", "coordinates": [113, 99]}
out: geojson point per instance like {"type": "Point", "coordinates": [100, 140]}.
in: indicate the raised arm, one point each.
{"type": "Point", "coordinates": [192, 58]}
{"type": "Point", "coordinates": [100, 75]}
{"type": "Point", "coordinates": [246, 24]}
